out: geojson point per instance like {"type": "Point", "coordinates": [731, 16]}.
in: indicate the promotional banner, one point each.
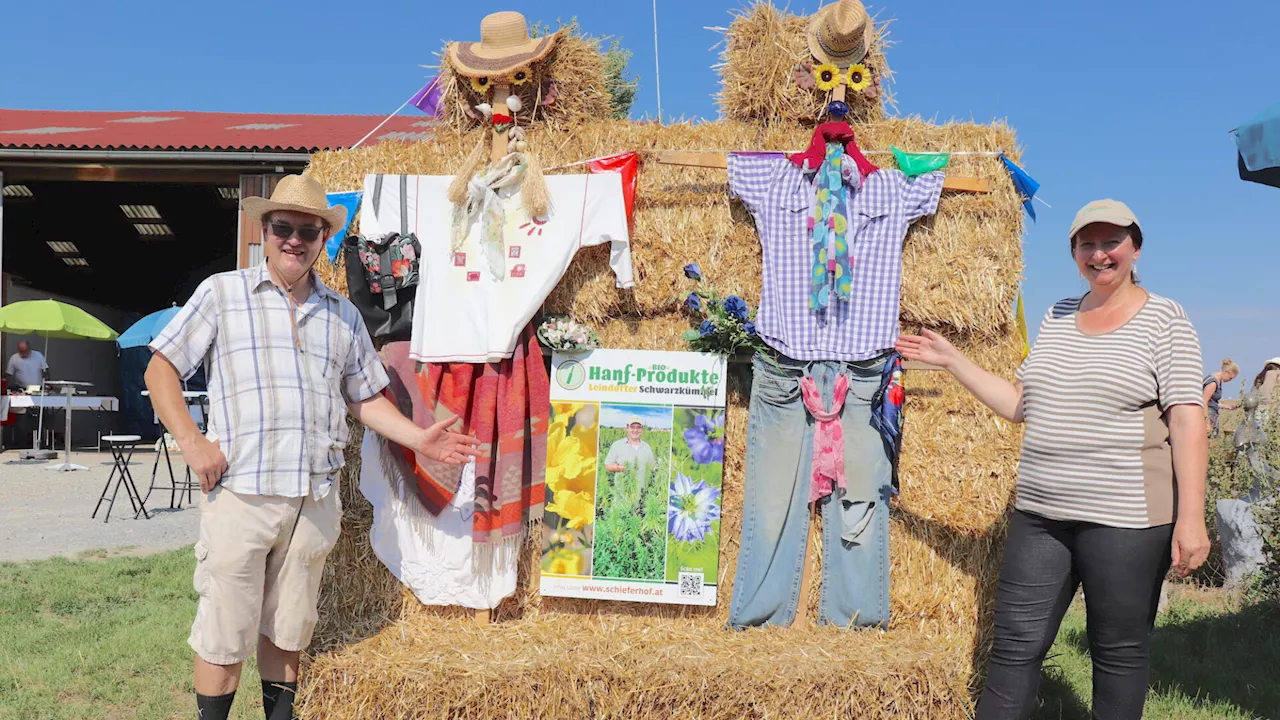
{"type": "Point", "coordinates": [635, 467]}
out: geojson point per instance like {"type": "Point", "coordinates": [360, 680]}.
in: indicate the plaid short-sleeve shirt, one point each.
{"type": "Point", "coordinates": [780, 197]}
{"type": "Point", "coordinates": [277, 396]}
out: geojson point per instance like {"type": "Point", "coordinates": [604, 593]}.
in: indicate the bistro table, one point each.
{"type": "Point", "coordinates": [68, 400]}
{"type": "Point", "coordinates": [197, 402]}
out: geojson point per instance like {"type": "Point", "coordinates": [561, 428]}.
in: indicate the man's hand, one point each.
{"type": "Point", "coordinates": [205, 460]}
{"type": "Point", "coordinates": [437, 443]}
{"type": "Point", "coordinates": [614, 467]}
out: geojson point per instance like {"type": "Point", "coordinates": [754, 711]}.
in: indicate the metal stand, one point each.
{"type": "Point", "coordinates": [69, 390]}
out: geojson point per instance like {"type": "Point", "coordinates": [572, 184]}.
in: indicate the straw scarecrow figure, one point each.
{"type": "Point", "coordinates": [840, 38]}
{"type": "Point", "coordinates": [498, 68]}
{"type": "Point", "coordinates": [780, 68]}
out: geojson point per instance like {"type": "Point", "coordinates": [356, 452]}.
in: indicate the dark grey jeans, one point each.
{"type": "Point", "coordinates": [1045, 561]}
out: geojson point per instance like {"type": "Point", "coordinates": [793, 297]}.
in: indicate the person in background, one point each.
{"type": "Point", "coordinates": [26, 368]}
{"type": "Point", "coordinates": [286, 359]}
{"type": "Point", "coordinates": [633, 452]}
{"type": "Point", "coordinates": [1265, 384]}
{"type": "Point", "coordinates": [1096, 503]}
{"type": "Point", "coordinates": [1213, 391]}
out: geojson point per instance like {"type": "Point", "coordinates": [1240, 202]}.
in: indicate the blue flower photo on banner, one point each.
{"type": "Point", "coordinates": [351, 201]}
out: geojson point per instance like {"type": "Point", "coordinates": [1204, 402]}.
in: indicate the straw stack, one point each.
{"type": "Point", "coordinates": [757, 67]}
{"type": "Point", "coordinates": [381, 654]}
{"type": "Point", "coordinates": [576, 68]}
{"type": "Point", "coordinates": [570, 658]}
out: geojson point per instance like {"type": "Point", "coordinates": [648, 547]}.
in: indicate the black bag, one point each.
{"type": "Point", "coordinates": [382, 273]}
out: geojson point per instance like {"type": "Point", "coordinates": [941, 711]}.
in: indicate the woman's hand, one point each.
{"type": "Point", "coordinates": [1190, 545]}
{"type": "Point", "coordinates": [928, 347]}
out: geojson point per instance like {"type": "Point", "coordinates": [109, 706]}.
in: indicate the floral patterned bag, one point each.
{"type": "Point", "coordinates": [382, 274]}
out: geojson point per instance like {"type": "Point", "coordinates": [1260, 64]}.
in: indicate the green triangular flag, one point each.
{"type": "Point", "coordinates": [913, 164]}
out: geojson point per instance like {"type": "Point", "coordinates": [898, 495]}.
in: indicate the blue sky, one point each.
{"type": "Point", "coordinates": [617, 416]}
{"type": "Point", "coordinates": [1131, 100]}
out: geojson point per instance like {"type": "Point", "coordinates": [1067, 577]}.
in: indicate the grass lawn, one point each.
{"type": "Point", "coordinates": [105, 637]}
{"type": "Point", "coordinates": [102, 637]}
{"type": "Point", "coordinates": [1212, 658]}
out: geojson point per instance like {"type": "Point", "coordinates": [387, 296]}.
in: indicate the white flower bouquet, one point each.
{"type": "Point", "coordinates": [561, 333]}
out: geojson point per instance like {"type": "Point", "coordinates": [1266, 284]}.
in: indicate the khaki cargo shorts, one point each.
{"type": "Point", "coordinates": [258, 566]}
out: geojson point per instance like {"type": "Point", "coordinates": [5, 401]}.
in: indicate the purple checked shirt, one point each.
{"type": "Point", "coordinates": [279, 378]}
{"type": "Point", "coordinates": [780, 196]}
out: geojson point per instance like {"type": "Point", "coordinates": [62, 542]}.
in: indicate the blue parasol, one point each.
{"type": "Point", "coordinates": [145, 330]}
{"type": "Point", "coordinates": [1258, 143]}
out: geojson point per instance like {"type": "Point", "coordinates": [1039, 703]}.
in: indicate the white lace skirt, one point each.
{"type": "Point", "coordinates": [433, 556]}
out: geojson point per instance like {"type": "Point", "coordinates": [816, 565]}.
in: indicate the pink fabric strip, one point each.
{"type": "Point", "coordinates": [828, 437]}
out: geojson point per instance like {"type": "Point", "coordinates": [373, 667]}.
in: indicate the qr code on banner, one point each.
{"type": "Point", "coordinates": [691, 584]}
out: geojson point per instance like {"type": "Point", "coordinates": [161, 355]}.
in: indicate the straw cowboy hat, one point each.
{"type": "Point", "coordinates": [504, 46]}
{"type": "Point", "coordinates": [840, 33]}
{"type": "Point", "coordinates": [299, 193]}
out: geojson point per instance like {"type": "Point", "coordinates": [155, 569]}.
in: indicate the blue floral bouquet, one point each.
{"type": "Point", "coordinates": [727, 326]}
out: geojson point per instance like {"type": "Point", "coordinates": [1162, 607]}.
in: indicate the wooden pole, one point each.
{"type": "Point", "coordinates": [717, 159]}
{"type": "Point", "coordinates": [801, 620]}
{"type": "Point", "coordinates": [500, 95]}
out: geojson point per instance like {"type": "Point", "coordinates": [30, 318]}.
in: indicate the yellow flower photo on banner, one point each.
{"type": "Point", "coordinates": [576, 507]}
{"type": "Point", "coordinates": [571, 454]}
{"type": "Point", "coordinates": [564, 563]}
{"type": "Point", "coordinates": [858, 78]}
{"type": "Point", "coordinates": [827, 77]}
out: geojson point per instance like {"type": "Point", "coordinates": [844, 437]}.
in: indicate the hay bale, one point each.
{"type": "Point", "coordinates": [762, 47]}
{"type": "Point", "coordinates": [613, 667]}
{"type": "Point", "coordinates": [554, 657]}
{"type": "Point", "coordinates": [961, 268]}
{"type": "Point", "coordinates": [576, 66]}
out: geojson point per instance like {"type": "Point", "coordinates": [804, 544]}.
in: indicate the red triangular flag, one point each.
{"type": "Point", "coordinates": [625, 163]}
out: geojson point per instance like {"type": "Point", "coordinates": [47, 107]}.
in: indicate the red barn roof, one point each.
{"type": "Point", "coordinates": [172, 130]}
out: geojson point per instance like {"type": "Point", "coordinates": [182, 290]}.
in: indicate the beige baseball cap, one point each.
{"type": "Point", "coordinates": [1112, 212]}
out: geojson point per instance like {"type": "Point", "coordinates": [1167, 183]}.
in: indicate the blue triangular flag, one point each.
{"type": "Point", "coordinates": [1026, 185]}
{"type": "Point", "coordinates": [351, 201]}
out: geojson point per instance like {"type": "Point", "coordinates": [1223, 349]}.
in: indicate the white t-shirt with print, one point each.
{"type": "Point", "coordinates": [462, 311]}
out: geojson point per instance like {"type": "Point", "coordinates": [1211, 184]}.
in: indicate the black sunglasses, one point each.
{"type": "Point", "coordinates": [284, 231]}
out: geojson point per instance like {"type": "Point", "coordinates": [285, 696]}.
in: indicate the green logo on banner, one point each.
{"type": "Point", "coordinates": [571, 375]}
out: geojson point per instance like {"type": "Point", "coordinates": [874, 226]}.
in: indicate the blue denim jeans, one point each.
{"type": "Point", "coordinates": [775, 516]}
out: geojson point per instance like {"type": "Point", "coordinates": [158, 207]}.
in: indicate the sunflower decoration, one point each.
{"type": "Point", "coordinates": [521, 76]}
{"type": "Point", "coordinates": [858, 77]}
{"type": "Point", "coordinates": [827, 77]}
{"type": "Point", "coordinates": [481, 85]}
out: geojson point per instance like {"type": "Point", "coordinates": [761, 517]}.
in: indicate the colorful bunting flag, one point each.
{"type": "Point", "coordinates": [625, 163]}
{"type": "Point", "coordinates": [351, 201]}
{"type": "Point", "coordinates": [428, 98]}
{"type": "Point", "coordinates": [913, 164]}
{"type": "Point", "coordinates": [1025, 184]}
{"type": "Point", "coordinates": [1022, 328]}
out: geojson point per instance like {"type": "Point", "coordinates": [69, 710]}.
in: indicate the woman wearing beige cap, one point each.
{"type": "Point", "coordinates": [1112, 400]}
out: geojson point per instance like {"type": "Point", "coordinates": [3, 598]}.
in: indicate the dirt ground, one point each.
{"type": "Point", "coordinates": [46, 514]}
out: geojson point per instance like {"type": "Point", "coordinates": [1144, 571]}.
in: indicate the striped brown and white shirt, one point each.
{"type": "Point", "coordinates": [1096, 446]}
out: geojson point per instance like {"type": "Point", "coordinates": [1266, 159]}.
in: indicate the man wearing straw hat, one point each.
{"type": "Point", "coordinates": [286, 358]}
